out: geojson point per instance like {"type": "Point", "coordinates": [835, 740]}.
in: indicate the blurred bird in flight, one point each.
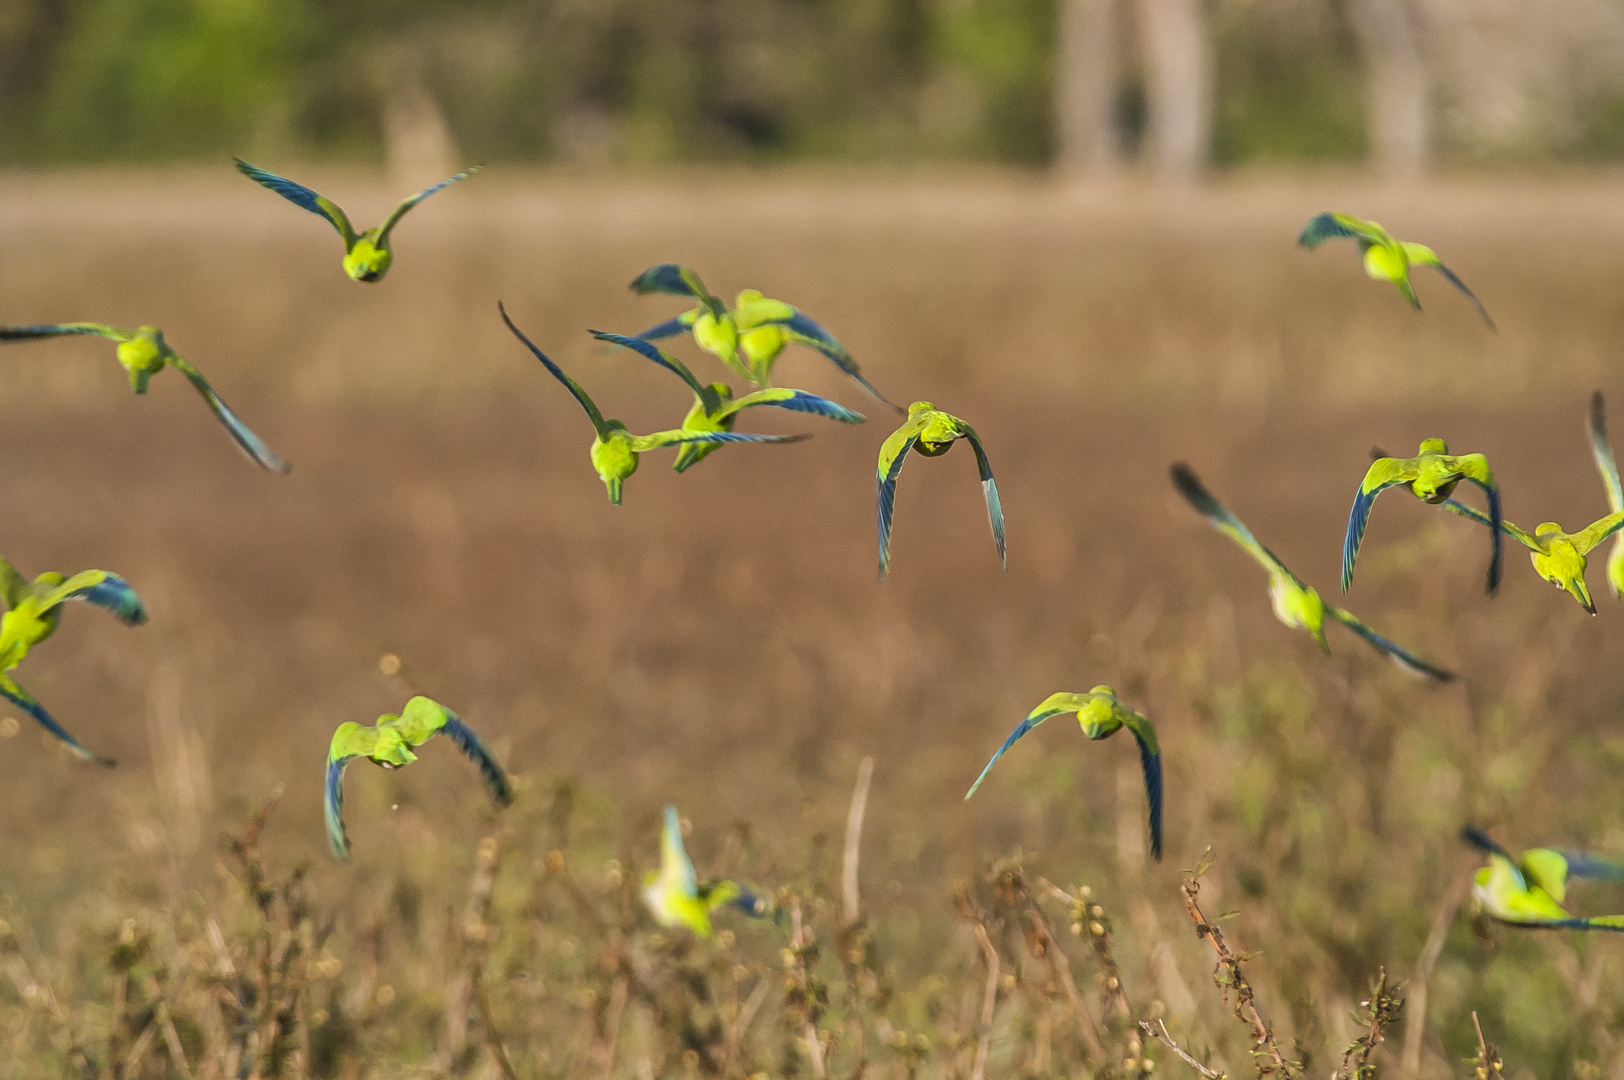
{"type": "Point", "coordinates": [144, 352]}
{"type": "Point", "coordinates": [748, 337]}
{"type": "Point", "coordinates": [675, 896]}
{"type": "Point", "coordinates": [390, 743]}
{"type": "Point", "coordinates": [930, 432]}
{"type": "Point", "coordinates": [714, 407]}
{"type": "Point", "coordinates": [1609, 476]}
{"type": "Point", "coordinates": [1101, 715]}
{"type": "Point", "coordinates": [1530, 891]}
{"type": "Point", "coordinates": [1296, 605]}
{"type": "Point", "coordinates": [1431, 476]}
{"type": "Point", "coordinates": [367, 255]}
{"type": "Point", "coordinates": [33, 612]}
{"type": "Point", "coordinates": [1558, 557]}
{"type": "Point", "coordinates": [614, 449]}
{"type": "Point", "coordinates": [1385, 258]}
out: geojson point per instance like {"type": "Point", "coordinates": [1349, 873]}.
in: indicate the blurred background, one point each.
{"type": "Point", "coordinates": [1071, 223]}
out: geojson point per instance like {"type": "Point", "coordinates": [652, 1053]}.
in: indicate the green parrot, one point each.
{"type": "Point", "coordinates": [930, 432]}
{"type": "Point", "coordinates": [1296, 605]}
{"type": "Point", "coordinates": [367, 255]}
{"type": "Point", "coordinates": [673, 893]}
{"type": "Point", "coordinates": [1431, 476]}
{"type": "Point", "coordinates": [750, 336]}
{"type": "Point", "coordinates": [144, 352]}
{"type": "Point", "coordinates": [714, 407]}
{"type": "Point", "coordinates": [1558, 557]}
{"type": "Point", "coordinates": [1615, 495]}
{"type": "Point", "coordinates": [390, 743]}
{"type": "Point", "coordinates": [33, 611]}
{"type": "Point", "coordinates": [1101, 715]}
{"type": "Point", "coordinates": [614, 449]}
{"type": "Point", "coordinates": [1529, 891]}
{"type": "Point", "coordinates": [1385, 258]}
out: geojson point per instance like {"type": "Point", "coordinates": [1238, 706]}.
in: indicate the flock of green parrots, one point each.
{"type": "Point", "coordinates": [748, 338]}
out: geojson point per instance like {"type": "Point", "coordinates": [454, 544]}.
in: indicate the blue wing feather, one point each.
{"type": "Point", "coordinates": [1493, 495]}
{"type": "Point", "coordinates": [470, 744]}
{"type": "Point", "coordinates": [24, 701]}
{"type": "Point", "coordinates": [801, 401]}
{"type": "Point", "coordinates": [886, 496]}
{"type": "Point", "coordinates": [669, 328]}
{"type": "Point", "coordinates": [115, 595]}
{"type": "Point", "coordinates": [649, 351]}
{"type": "Point", "coordinates": [664, 278]}
{"type": "Point", "coordinates": [333, 806]}
{"type": "Point", "coordinates": [1583, 865]}
{"type": "Point", "coordinates": [1151, 763]}
{"type": "Point", "coordinates": [1322, 227]}
{"type": "Point", "coordinates": [1025, 725]}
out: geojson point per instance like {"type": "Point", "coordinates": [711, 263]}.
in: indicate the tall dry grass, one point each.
{"type": "Point", "coordinates": [720, 639]}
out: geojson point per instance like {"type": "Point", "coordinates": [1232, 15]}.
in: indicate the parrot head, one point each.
{"type": "Point", "coordinates": [368, 260]}
{"type": "Point", "coordinates": [143, 356]}
{"type": "Point", "coordinates": [1561, 564]}
{"type": "Point", "coordinates": [392, 751]}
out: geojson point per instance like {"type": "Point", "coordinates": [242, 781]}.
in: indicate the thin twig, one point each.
{"type": "Point", "coordinates": [611, 1023]}
{"type": "Point", "coordinates": [1159, 1032]}
{"type": "Point", "coordinates": [1488, 1062]}
{"type": "Point", "coordinates": [1415, 1021]}
{"type": "Point", "coordinates": [1263, 1044]}
{"type": "Point", "coordinates": [989, 1003]}
{"type": "Point", "coordinates": [1381, 1008]}
{"type": "Point", "coordinates": [493, 1041]}
{"type": "Point", "coordinates": [854, 834]}
{"type": "Point", "coordinates": [1057, 958]}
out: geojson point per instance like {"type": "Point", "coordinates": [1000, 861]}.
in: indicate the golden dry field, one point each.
{"type": "Point", "coordinates": [720, 640]}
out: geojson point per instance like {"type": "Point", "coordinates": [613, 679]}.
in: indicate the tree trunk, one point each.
{"type": "Point", "coordinates": [1086, 87]}
{"type": "Point", "coordinates": [1398, 117]}
{"type": "Point", "coordinates": [1179, 86]}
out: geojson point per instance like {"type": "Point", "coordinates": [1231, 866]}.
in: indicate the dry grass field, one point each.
{"type": "Point", "coordinates": [720, 640]}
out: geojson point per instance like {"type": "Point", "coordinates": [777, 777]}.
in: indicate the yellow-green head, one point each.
{"type": "Point", "coordinates": [368, 259]}
{"type": "Point", "coordinates": [613, 458]}
{"type": "Point", "coordinates": [1561, 564]}
{"type": "Point", "coordinates": [143, 356]}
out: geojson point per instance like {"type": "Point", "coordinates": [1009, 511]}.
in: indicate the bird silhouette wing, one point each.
{"type": "Point", "coordinates": [1421, 255]}
{"type": "Point", "coordinates": [1580, 864]}
{"type": "Point", "coordinates": [652, 352]}
{"type": "Point", "coordinates": [893, 453]}
{"type": "Point", "coordinates": [1402, 657]}
{"type": "Point", "coordinates": [14, 693]}
{"type": "Point", "coordinates": [1150, 762]}
{"type": "Point", "coordinates": [677, 436]}
{"type": "Point", "coordinates": [299, 195]}
{"type": "Point", "coordinates": [406, 204]}
{"type": "Point", "coordinates": [1510, 528]}
{"type": "Point", "coordinates": [682, 324]}
{"type": "Point", "coordinates": [574, 387]}
{"type": "Point", "coordinates": [251, 444]}
{"type": "Point", "coordinates": [12, 583]}
{"type": "Point", "coordinates": [678, 281]}
{"type": "Point", "coordinates": [99, 589]}
{"type": "Point", "coordinates": [28, 333]}
{"type": "Point", "coordinates": [1475, 469]}
{"type": "Point", "coordinates": [1382, 474]}
{"type": "Point", "coordinates": [350, 741]}
{"type": "Point", "coordinates": [795, 401]}
{"type": "Point", "coordinates": [423, 718]}
{"type": "Point", "coordinates": [1489, 846]}
{"type": "Point", "coordinates": [989, 489]}
{"type": "Point", "coordinates": [1328, 226]}
{"type": "Point", "coordinates": [1591, 535]}
{"type": "Point", "coordinates": [676, 869]}
{"type": "Point", "coordinates": [1054, 705]}
{"type": "Point", "coordinates": [1225, 522]}
{"type": "Point", "coordinates": [1604, 453]}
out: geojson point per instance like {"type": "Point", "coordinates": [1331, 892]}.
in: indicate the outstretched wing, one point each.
{"type": "Point", "coordinates": [11, 583]}
{"type": "Point", "coordinates": [558, 373]}
{"type": "Point", "coordinates": [1402, 657]}
{"type": "Point", "coordinates": [1421, 255]}
{"type": "Point", "coordinates": [333, 806]}
{"type": "Point", "coordinates": [1591, 535]}
{"type": "Point", "coordinates": [795, 401]}
{"type": "Point", "coordinates": [1382, 474]}
{"type": "Point", "coordinates": [682, 324]}
{"type": "Point", "coordinates": [1150, 761]}
{"type": "Point", "coordinates": [28, 333]}
{"type": "Point", "coordinates": [989, 490]}
{"type": "Point", "coordinates": [100, 589]}
{"type": "Point", "coordinates": [1328, 226]}
{"type": "Point", "coordinates": [677, 436]}
{"type": "Point", "coordinates": [652, 352]}
{"type": "Point", "coordinates": [676, 869]}
{"type": "Point", "coordinates": [251, 444]}
{"type": "Point", "coordinates": [21, 698]}
{"type": "Point", "coordinates": [1475, 468]}
{"type": "Point", "coordinates": [893, 453]}
{"type": "Point", "coordinates": [1056, 705]}
{"type": "Point", "coordinates": [400, 211]}
{"type": "Point", "coordinates": [299, 195]}
{"type": "Point", "coordinates": [1486, 843]}
{"type": "Point", "coordinates": [1604, 452]}
{"type": "Point", "coordinates": [677, 281]}
{"type": "Point", "coordinates": [477, 752]}
{"type": "Point", "coordinates": [1510, 528]}
{"type": "Point", "coordinates": [1592, 867]}
{"type": "Point", "coordinates": [1196, 494]}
